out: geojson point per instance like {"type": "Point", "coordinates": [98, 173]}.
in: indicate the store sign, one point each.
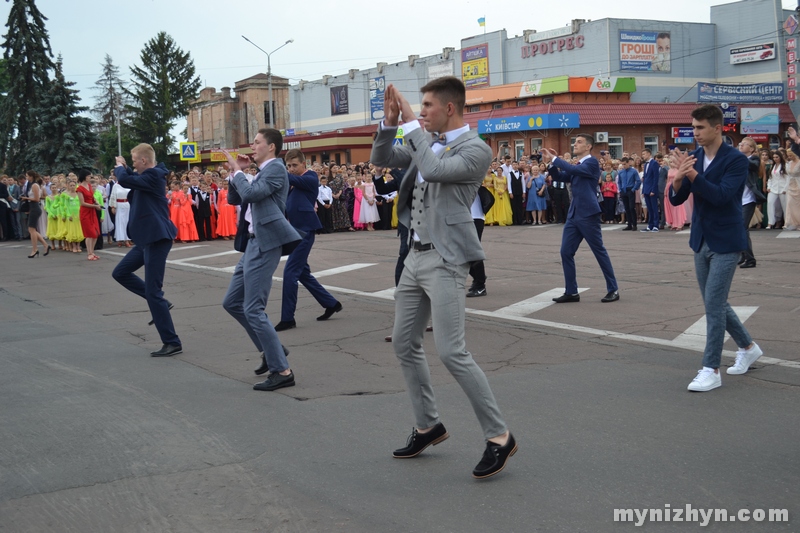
{"type": "Point", "coordinates": [749, 54]}
{"type": "Point", "coordinates": [790, 24]}
{"type": "Point", "coordinates": [760, 120]}
{"type": "Point", "coordinates": [791, 44]}
{"type": "Point", "coordinates": [792, 95]}
{"type": "Point", "coordinates": [599, 84]}
{"type": "Point", "coordinates": [377, 87]}
{"type": "Point", "coordinates": [791, 70]}
{"type": "Point", "coordinates": [475, 66]}
{"type": "Point", "coordinates": [729, 115]}
{"type": "Point", "coordinates": [683, 132]}
{"type": "Point", "coordinates": [535, 37]}
{"type": "Point", "coordinates": [552, 46]}
{"type": "Point", "coordinates": [529, 122]}
{"type": "Point", "coordinates": [219, 156]}
{"type": "Point", "coordinates": [759, 138]}
{"type": "Point", "coordinates": [754, 93]}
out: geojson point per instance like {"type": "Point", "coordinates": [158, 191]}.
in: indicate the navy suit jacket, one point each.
{"type": "Point", "coordinates": [149, 212]}
{"type": "Point", "coordinates": [650, 178]}
{"type": "Point", "coordinates": [301, 200]}
{"type": "Point", "coordinates": [717, 216]}
{"type": "Point", "coordinates": [583, 177]}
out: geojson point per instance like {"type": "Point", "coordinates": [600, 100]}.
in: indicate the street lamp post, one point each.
{"type": "Point", "coordinates": [269, 74]}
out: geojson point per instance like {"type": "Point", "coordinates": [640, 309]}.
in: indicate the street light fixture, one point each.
{"type": "Point", "coordinates": [269, 73]}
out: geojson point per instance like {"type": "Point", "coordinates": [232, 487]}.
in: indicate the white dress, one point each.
{"type": "Point", "coordinates": [119, 199]}
{"type": "Point", "coordinates": [368, 213]}
{"type": "Point", "coordinates": [107, 226]}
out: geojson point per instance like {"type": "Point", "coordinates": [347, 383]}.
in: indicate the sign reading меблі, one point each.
{"type": "Point", "coordinates": [760, 120]}
{"type": "Point", "coordinates": [750, 93]}
{"type": "Point", "coordinates": [530, 122]}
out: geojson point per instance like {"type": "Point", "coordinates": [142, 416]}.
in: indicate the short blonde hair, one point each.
{"type": "Point", "coordinates": [146, 151]}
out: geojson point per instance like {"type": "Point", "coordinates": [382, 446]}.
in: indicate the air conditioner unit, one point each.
{"type": "Point", "coordinates": [601, 137]}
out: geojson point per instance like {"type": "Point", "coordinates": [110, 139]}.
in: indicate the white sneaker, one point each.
{"type": "Point", "coordinates": [745, 358]}
{"type": "Point", "coordinates": [705, 380]}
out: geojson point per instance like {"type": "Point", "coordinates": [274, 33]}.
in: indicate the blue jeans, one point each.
{"type": "Point", "coordinates": [714, 274]}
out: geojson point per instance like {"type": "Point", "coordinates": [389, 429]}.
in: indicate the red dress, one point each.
{"type": "Point", "coordinates": [226, 220]}
{"type": "Point", "coordinates": [89, 222]}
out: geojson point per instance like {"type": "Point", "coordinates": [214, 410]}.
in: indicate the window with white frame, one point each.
{"type": "Point", "coordinates": [651, 143]}
{"type": "Point", "coordinates": [536, 144]}
{"type": "Point", "coordinates": [503, 149]}
{"type": "Point", "coordinates": [497, 106]}
{"type": "Point", "coordinates": [519, 149]}
{"type": "Point", "coordinates": [615, 147]}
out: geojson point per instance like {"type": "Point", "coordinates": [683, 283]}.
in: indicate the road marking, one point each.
{"type": "Point", "coordinates": [684, 232]}
{"type": "Point", "coordinates": [695, 336]}
{"type": "Point", "coordinates": [15, 245]}
{"type": "Point", "coordinates": [197, 258]}
{"type": "Point", "coordinates": [337, 270]}
{"type": "Point", "coordinates": [611, 227]}
{"type": "Point", "coordinates": [537, 303]}
{"type": "Point", "coordinates": [386, 294]}
{"type": "Point", "coordinates": [788, 234]}
{"type": "Point", "coordinates": [188, 247]}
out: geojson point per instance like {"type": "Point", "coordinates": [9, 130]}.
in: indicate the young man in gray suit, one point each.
{"type": "Point", "coordinates": [433, 201]}
{"type": "Point", "coordinates": [269, 230]}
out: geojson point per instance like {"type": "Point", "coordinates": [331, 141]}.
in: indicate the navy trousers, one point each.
{"type": "Point", "coordinates": [153, 257]}
{"type": "Point", "coordinates": [297, 270]}
{"type": "Point", "coordinates": [575, 231]}
{"type": "Point", "coordinates": [652, 210]}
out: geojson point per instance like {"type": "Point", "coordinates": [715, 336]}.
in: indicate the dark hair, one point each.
{"type": "Point", "coordinates": [448, 89]}
{"type": "Point", "coordinates": [273, 136]}
{"type": "Point", "coordinates": [648, 150]}
{"type": "Point", "coordinates": [294, 153]}
{"type": "Point", "coordinates": [586, 137]}
{"type": "Point", "coordinates": [33, 174]}
{"type": "Point", "coordinates": [782, 164]}
{"type": "Point", "coordinates": [663, 35]}
{"type": "Point", "coordinates": [83, 174]}
{"type": "Point", "coordinates": [625, 160]}
{"type": "Point", "coordinates": [709, 112]}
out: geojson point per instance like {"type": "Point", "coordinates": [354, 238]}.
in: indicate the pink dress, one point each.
{"type": "Point", "coordinates": [675, 214]}
{"type": "Point", "coordinates": [357, 208]}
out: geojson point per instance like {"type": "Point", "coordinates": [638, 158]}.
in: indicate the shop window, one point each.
{"type": "Point", "coordinates": [503, 149]}
{"type": "Point", "coordinates": [519, 150]}
{"type": "Point", "coordinates": [615, 147]}
{"type": "Point", "coordinates": [651, 143]}
{"type": "Point", "coordinates": [774, 142]}
{"type": "Point", "coordinates": [536, 144]}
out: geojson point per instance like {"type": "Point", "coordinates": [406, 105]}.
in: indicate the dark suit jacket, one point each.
{"type": "Point", "coordinates": [650, 178]}
{"type": "Point", "coordinates": [301, 200]}
{"type": "Point", "coordinates": [584, 178]}
{"type": "Point", "coordinates": [754, 165]}
{"type": "Point", "coordinates": [717, 216]}
{"type": "Point", "coordinates": [149, 212]}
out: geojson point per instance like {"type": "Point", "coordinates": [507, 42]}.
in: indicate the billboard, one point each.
{"type": "Point", "coordinates": [340, 103]}
{"type": "Point", "coordinates": [760, 120]}
{"type": "Point", "coordinates": [475, 66]}
{"type": "Point", "coordinates": [645, 51]}
{"type": "Point", "coordinates": [440, 70]}
{"type": "Point", "coordinates": [752, 93]}
{"type": "Point", "coordinates": [377, 86]}
{"type": "Point", "coordinates": [749, 54]}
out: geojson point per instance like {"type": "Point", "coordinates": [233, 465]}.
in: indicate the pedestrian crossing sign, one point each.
{"type": "Point", "coordinates": [189, 151]}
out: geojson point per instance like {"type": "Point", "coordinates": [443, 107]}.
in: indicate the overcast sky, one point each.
{"type": "Point", "coordinates": [329, 37]}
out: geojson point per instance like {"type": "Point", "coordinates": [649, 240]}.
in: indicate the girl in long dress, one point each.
{"type": "Point", "coordinates": [776, 189]}
{"type": "Point", "coordinates": [51, 206]}
{"type": "Point", "coordinates": [358, 193]}
{"type": "Point", "coordinates": [342, 220]}
{"type": "Point", "coordinates": [226, 219]}
{"type": "Point", "coordinates": [72, 213]}
{"type": "Point", "coordinates": [503, 214]}
{"type": "Point", "coordinates": [675, 215]}
{"type": "Point", "coordinates": [369, 207]}
{"type": "Point", "coordinates": [792, 192]}
{"type": "Point", "coordinates": [88, 213]}
{"type": "Point", "coordinates": [488, 182]}
{"type": "Point", "coordinates": [118, 203]}
{"type": "Point", "coordinates": [187, 230]}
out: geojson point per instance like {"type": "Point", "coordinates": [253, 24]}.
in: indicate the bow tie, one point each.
{"type": "Point", "coordinates": [438, 139]}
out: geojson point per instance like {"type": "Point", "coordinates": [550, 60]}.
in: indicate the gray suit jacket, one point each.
{"type": "Point", "coordinates": [453, 179]}
{"type": "Point", "coordinates": [267, 199]}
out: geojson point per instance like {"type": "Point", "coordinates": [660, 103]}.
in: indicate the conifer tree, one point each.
{"type": "Point", "coordinates": [111, 97]}
{"type": "Point", "coordinates": [161, 90]}
{"type": "Point", "coordinates": [64, 139]}
{"type": "Point", "coordinates": [28, 61]}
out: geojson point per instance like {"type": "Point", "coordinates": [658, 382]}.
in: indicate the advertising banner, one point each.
{"type": "Point", "coordinates": [598, 84]}
{"type": "Point", "coordinates": [340, 103]}
{"type": "Point", "coordinates": [530, 122]}
{"type": "Point", "coordinates": [475, 66]}
{"type": "Point", "coordinates": [760, 120]}
{"type": "Point", "coordinates": [749, 54]}
{"type": "Point", "coordinates": [645, 50]}
{"type": "Point", "coordinates": [377, 86]}
{"type": "Point", "coordinates": [440, 70]}
{"type": "Point", "coordinates": [752, 93]}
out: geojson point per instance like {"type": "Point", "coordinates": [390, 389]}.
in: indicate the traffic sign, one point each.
{"type": "Point", "coordinates": [189, 152]}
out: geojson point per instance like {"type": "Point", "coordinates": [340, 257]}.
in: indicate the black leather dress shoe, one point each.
{"type": "Point", "coordinates": [742, 260]}
{"type": "Point", "coordinates": [564, 298]}
{"type": "Point", "coordinates": [629, 228]}
{"type": "Point", "coordinates": [612, 296]}
{"type": "Point", "coordinates": [329, 311]}
{"type": "Point", "coordinates": [475, 292]}
{"type": "Point", "coordinates": [417, 442]}
{"type": "Point", "coordinates": [170, 308]}
{"type": "Point", "coordinates": [264, 368]}
{"type": "Point", "coordinates": [748, 264]}
{"type": "Point", "coordinates": [494, 458]}
{"type": "Point", "coordinates": [167, 350]}
{"type": "Point", "coordinates": [284, 325]}
{"type": "Point", "coordinates": [275, 381]}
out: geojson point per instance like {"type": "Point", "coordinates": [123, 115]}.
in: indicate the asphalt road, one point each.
{"type": "Point", "coordinates": [95, 435]}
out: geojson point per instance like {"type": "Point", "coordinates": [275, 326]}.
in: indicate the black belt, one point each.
{"type": "Point", "coordinates": [419, 247]}
{"type": "Point", "coordinates": [252, 235]}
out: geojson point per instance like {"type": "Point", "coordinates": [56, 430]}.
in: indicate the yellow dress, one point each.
{"type": "Point", "coordinates": [488, 182]}
{"type": "Point", "coordinates": [53, 221]}
{"type": "Point", "coordinates": [394, 213]}
{"type": "Point", "coordinates": [502, 205]}
{"type": "Point", "coordinates": [73, 209]}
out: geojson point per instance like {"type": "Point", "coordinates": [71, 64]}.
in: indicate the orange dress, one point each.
{"type": "Point", "coordinates": [175, 200]}
{"type": "Point", "coordinates": [226, 219]}
{"type": "Point", "coordinates": [187, 231]}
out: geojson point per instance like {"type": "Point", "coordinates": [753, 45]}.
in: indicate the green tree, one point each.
{"type": "Point", "coordinates": [161, 91]}
{"type": "Point", "coordinates": [111, 98]}
{"type": "Point", "coordinates": [28, 60]}
{"type": "Point", "coordinates": [65, 140]}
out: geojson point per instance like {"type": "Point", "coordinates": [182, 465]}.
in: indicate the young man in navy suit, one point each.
{"type": "Point", "coordinates": [650, 190]}
{"type": "Point", "coordinates": [300, 212]}
{"type": "Point", "coordinates": [583, 218]}
{"type": "Point", "coordinates": [152, 232]}
{"type": "Point", "coordinates": [716, 173]}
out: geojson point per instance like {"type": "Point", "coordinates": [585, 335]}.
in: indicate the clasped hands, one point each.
{"type": "Point", "coordinates": [235, 165]}
{"type": "Point", "coordinates": [396, 106]}
{"type": "Point", "coordinates": [548, 154]}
